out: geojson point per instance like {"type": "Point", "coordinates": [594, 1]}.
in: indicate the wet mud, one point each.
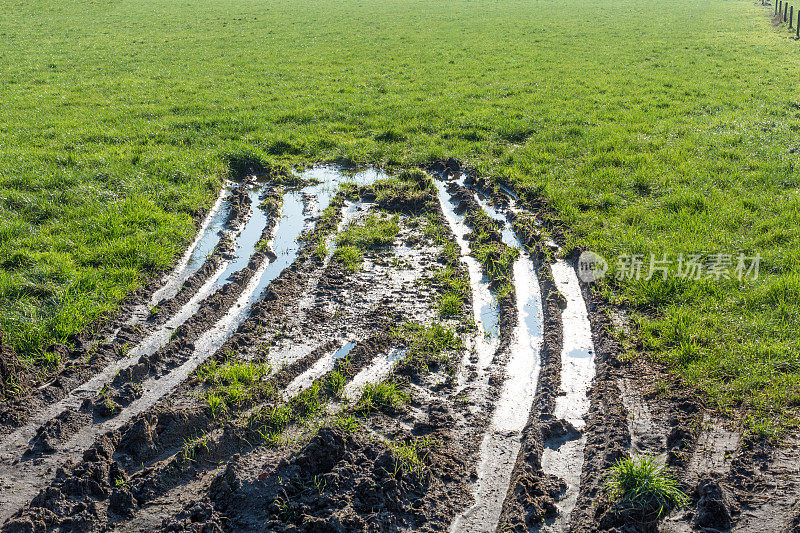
{"type": "Point", "coordinates": [447, 372]}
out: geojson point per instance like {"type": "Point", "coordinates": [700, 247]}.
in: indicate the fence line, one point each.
{"type": "Point", "coordinates": [785, 13]}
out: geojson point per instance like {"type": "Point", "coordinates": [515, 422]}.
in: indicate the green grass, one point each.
{"type": "Point", "coordinates": [269, 423]}
{"type": "Point", "coordinates": [427, 345]}
{"type": "Point", "coordinates": [453, 285]}
{"type": "Point", "coordinates": [450, 305]}
{"type": "Point", "coordinates": [383, 395]}
{"type": "Point", "coordinates": [650, 127]}
{"type": "Point", "coordinates": [643, 485]}
{"type": "Point", "coordinates": [373, 232]}
{"type": "Point", "coordinates": [350, 256]}
{"type": "Point", "coordinates": [231, 382]}
{"type": "Point", "coordinates": [194, 446]}
{"type": "Point", "coordinates": [410, 456]}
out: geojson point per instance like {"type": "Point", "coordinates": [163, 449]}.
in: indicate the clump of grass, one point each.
{"type": "Point", "coordinates": [347, 423]}
{"type": "Point", "coordinates": [384, 395]}
{"type": "Point", "coordinates": [232, 382]}
{"type": "Point", "coordinates": [497, 260]}
{"type": "Point", "coordinates": [375, 231]}
{"type": "Point", "coordinates": [427, 346]}
{"type": "Point", "coordinates": [270, 423]}
{"type": "Point", "coordinates": [335, 382]}
{"type": "Point", "coordinates": [350, 256]}
{"type": "Point", "coordinates": [642, 485]}
{"type": "Point", "coordinates": [455, 289]}
{"type": "Point", "coordinates": [215, 402]}
{"type": "Point", "coordinates": [50, 360]}
{"type": "Point", "coordinates": [245, 372]}
{"type": "Point", "coordinates": [449, 305]}
{"type": "Point", "coordinates": [308, 403]}
{"type": "Point", "coordinates": [322, 248]}
{"type": "Point", "coordinates": [410, 190]}
{"type": "Point", "coordinates": [410, 456]}
{"type": "Point", "coordinates": [193, 446]}
{"type": "Point", "coordinates": [435, 232]}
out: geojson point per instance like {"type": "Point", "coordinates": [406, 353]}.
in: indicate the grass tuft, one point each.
{"type": "Point", "coordinates": [384, 395]}
{"type": "Point", "coordinates": [642, 485]}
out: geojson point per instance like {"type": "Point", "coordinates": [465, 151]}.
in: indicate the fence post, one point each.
{"type": "Point", "coordinates": [780, 8]}
{"type": "Point", "coordinates": [785, 10]}
{"type": "Point", "coordinates": [791, 16]}
{"type": "Point", "coordinates": [797, 26]}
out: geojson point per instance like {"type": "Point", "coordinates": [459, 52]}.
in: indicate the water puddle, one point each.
{"type": "Point", "coordinates": [502, 442]}
{"type": "Point", "coordinates": [484, 302]}
{"type": "Point", "coordinates": [577, 370]}
{"type": "Point", "coordinates": [248, 237]}
{"type": "Point", "coordinates": [329, 179]}
{"type": "Point", "coordinates": [209, 238]}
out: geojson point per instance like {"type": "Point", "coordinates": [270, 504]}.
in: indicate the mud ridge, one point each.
{"type": "Point", "coordinates": [531, 495]}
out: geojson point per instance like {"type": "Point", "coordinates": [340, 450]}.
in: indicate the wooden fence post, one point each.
{"type": "Point", "coordinates": [791, 16]}
{"type": "Point", "coordinates": [780, 7]}
{"type": "Point", "coordinates": [797, 26]}
{"type": "Point", "coordinates": [785, 10]}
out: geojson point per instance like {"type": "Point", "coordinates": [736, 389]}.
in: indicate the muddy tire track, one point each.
{"type": "Point", "coordinates": [153, 452]}
{"type": "Point", "coordinates": [130, 392]}
{"type": "Point", "coordinates": [92, 352]}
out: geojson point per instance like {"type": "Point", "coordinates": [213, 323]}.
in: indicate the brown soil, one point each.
{"type": "Point", "coordinates": [182, 465]}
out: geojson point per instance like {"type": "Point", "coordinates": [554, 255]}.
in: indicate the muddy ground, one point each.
{"type": "Point", "coordinates": [368, 357]}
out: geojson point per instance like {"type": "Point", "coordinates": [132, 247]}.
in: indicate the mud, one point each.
{"type": "Point", "coordinates": [512, 429]}
{"type": "Point", "coordinates": [93, 351]}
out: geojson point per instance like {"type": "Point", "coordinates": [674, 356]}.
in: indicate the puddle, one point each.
{"type": "Point", "coordinates": [565, 458]}
{"type": "Point", "coordinates": [331, 177]}
{"type": "Point", "coordinates": [248, 237]}
{"type": "Point", "coordinates": [484, 302]}
{"type": "Point", "coordinates": [502, 442]}
{"type": "Point", "coordinates": [210, 237]}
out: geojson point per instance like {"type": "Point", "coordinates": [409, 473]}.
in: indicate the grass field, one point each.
{"type": "Point", "coordinates": [651, 126]}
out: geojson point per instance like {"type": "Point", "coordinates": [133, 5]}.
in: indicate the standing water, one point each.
{"type": "Point", "coordinates": [577, 371]}
{"type": "Point", "coordinates": [503, 440]}
{"type": "Point", "coordinates": [484, 302]}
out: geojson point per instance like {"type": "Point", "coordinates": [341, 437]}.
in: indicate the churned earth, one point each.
{"type": "Point", "coordinates": [348, 350]}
